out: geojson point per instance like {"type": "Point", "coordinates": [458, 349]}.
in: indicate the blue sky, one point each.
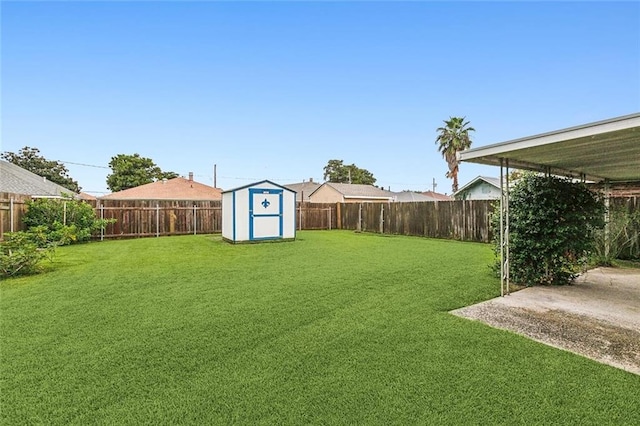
{"type": "Point", "coordinates": [274, 90]}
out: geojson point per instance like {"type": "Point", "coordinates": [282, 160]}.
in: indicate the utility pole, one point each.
{"type": "Point", "coordinates": [215, 178]}
{"type": "Point", "coordinates": [434, 184]}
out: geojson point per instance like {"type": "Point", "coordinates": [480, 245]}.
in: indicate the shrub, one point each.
{"type": "Point", "coordinates": [551, 228]}
{"type": "Point", "coordinates": [20, 254]}
{"type": "Point", "coordinates": [624, 237]}
{"type": "Point", "coordinates": [62, 221]}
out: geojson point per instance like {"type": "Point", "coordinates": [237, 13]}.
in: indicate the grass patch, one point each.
{"type": "Point", "coordinates": [633, 264]}
{"type": "Point", "coordinates": [333, 328]}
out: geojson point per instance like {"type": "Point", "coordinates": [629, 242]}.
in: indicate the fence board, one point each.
{"type": "Point", "coordinates": [12, 210]}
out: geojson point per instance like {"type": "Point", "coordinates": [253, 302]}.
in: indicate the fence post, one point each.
{"type": "Point", "coordinates": [382, 218]}
{"type": "Point", "coordinates": [11, 215]}
{"type": "Point", "coordinates": [359, 227]}
{"type": "Point", "coordinates": [102, 222]}
{"type": "Point", "coordinates": [157, 220]}
{"type": "Point", "coordinates": [195, 222]}
{"type": "Point", "coordinates": [300, 217]}
{"type": "Point", "coordinates": [329, 215]}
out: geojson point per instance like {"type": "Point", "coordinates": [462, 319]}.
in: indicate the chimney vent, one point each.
{"type": "Point", "coordinates": [311, 180]}
{"type": "Point", "coordinates": [190, 176]}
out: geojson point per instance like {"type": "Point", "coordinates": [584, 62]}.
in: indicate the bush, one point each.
{"type": "Point", "coordinates": [62, 221]}
{"type": "Point", "coordinates": [624, 237]}
{"type": "Point", "coordinates": [552, 221]}
{"type": "Point", "coordinates": [20, 254]}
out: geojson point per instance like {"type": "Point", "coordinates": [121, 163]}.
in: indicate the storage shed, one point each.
{"type": "Point", "coordinates": [258, 212]}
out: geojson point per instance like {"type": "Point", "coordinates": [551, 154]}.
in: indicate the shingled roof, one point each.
{"type": "Point", "coordinates": [437, 196]}
{"type": "Point", "coordinates": [410, 196]}
{"type": "Point", "coordinates": [16, 180]}
{"type": "Point", "coordinates": [353, 190]}
{"type": "Point", "coordinates": [172, 189]}
{"type": "Point", "coordinates": [303, 189]}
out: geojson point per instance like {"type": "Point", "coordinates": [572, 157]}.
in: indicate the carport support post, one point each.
{"type": "Point", "coordinates": [607, 218]}
{"type": "Point", "coordinates": [504, 227]}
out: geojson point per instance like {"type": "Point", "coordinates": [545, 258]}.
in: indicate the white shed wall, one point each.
{"type": "Point", "coordinates": [266, 222]}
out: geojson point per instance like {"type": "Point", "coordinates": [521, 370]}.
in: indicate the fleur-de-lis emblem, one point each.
{"type": "Point", "coordinates": [265, 203]}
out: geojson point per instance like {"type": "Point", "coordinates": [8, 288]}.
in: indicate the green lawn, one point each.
{"type": "Point", "coordinates": [334, 328]}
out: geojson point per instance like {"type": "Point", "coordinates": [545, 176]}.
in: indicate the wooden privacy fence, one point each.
{"type": "Point", "coordinates": [461, 220]}
{"type": "Point", "coordinates": [316, 216]}
{"type": "Point", "coordinates": [12, 210]}
{"type": "Point", "coordinates": [155, 218]}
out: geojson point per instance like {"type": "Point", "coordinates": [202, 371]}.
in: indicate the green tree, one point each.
{"type": "Point", "coordinates": [129, 171]}
{"type": "Point", "coordinates": [336, 171]}
{"type": "Point", "coordinates": [453, 138]}
{"type": "Point", "coordinates": [551, 223]}
{"type": "Point", "coordinates": [30, 159]}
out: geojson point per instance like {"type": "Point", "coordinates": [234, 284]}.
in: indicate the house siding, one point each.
{"type": "Point", "coordinates": [480, 191]}
{"type": "Point", "coordinates": [326, 194]}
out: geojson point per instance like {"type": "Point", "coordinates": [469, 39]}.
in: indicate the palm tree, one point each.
{"type": "Point", "coordinates": [453, 137]}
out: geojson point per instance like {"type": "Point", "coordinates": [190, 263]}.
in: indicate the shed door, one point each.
{"type": "Point", "coordinates": [265, 213]}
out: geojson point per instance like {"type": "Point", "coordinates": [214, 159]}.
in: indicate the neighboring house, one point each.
{"type": "Point", "coordinates": [16, 180]}
{"type": "Point", "coordinates": [410, 196]}
{"type": "Point", "coordinates": [480, 188]}
{"type": "Point", "coordinates": [303, 189]}
{"type": "Point", "coordinates": [169, 189]}
{"type": "Point", "coordinates": [330, 192]}
{"type": "Point", "coordinates": [437, 196]}
{"type": "Point", "coordinates": [87, 197]}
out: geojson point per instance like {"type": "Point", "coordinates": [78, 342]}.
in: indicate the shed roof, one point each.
{"type": "Point", "coordinates": [16, 180]}
{"type": "Point", "coordinates": [603, 150]}
{"type": "Point", "coordinates": [258, 183]}
{"type": "Point", "coordinates": [172, 189]}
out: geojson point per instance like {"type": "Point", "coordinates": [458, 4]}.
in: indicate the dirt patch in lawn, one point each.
{"type": "Point", "coordinates": [597, 317]}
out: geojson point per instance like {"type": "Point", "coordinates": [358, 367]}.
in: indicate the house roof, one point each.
{"type": "Point", "coordinates": [87, 197]}
{"type": "Point", "coordinates": [172, 189]}
{"type": "Point", "coordinates": [353, 190]}
{"type": "Point", "coordinates": [437, 196]}
{"type": "Point", "coordinates": [603, 150]}
{"type": "Point", "coordinates": [303, 189]}
{"type": "Point", "coordinates": [16, 180]}
{"type": "Point", "coordinates": [258, 183]}
{"type": "Point", "coordinates": [479, 179]}
{"type": "Point", "coordinates": [410, 196]}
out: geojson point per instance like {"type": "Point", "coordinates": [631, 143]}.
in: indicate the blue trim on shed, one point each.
{"type": "Point", "coordinates": [252, 216]}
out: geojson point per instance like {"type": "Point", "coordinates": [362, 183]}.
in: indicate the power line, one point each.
{"type": "Point", "coordinates": [82, 164]}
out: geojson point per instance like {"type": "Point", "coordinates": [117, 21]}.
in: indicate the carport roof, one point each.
{"type": "Point", "coordinates": [604, 150]}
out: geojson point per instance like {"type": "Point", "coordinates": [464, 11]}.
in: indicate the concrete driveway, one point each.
{"type": "Point", "coordinates": [597, 317]}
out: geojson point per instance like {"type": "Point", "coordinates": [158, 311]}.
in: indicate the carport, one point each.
{"type": "Point", "coordinates": [606, 151]}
